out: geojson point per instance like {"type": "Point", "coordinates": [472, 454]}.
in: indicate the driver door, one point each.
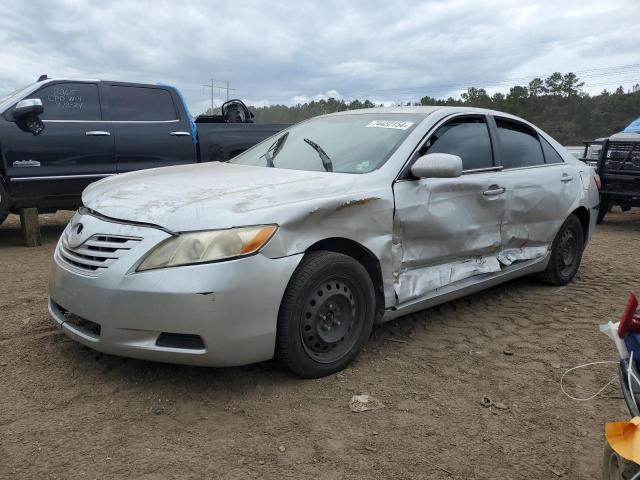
{"type": "Point", "coordinates": [75, 148]}
{"type": "Point", "coordinates": [448, 229]}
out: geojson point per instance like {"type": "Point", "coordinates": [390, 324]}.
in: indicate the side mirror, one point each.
{"type": "Point", "coordinates": [437, 165]}
{"type": "Point", "coordinates": [29, 106]}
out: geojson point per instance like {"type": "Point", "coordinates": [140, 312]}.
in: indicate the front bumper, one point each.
{"type": "Point", "coordinates": [232, 306]}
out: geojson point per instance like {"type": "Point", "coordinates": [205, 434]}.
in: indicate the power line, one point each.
{"type": "Point", "coordinates": [211, 85]}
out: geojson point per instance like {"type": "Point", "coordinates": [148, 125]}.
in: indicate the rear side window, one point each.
{"type": "Point", "coordinates": [519, 144]}
{"type": "Point", "coordinates": [141, 104]}
{"type": "Point", "coordinates": [69, 101]}
{"type": "Point", "coordinates": [550, 154]}
{"type": "Point", "coordinates": [466, 137]}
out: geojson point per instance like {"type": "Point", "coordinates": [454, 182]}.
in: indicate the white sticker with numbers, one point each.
{"type": "Point", "coordinates": [395, 124]}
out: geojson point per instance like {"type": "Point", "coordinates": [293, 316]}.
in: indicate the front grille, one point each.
{"type": "Point", "coordinates": [97, 252]}
{"type": "Point", "coordinates": [623, 157]}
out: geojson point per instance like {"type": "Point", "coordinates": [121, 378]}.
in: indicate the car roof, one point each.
{"type": "Point", "coordinates": [424, 110]}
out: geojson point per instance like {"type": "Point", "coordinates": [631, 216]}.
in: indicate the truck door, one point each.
{"type": "Point", "coordinates": [150, 128]}
{"type": "Point", "coordinates": [75, 148]}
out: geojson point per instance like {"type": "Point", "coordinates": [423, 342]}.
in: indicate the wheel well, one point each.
{"type": "Point", "coordinates": [360, 253]}
{"type": "Point", "coordinates": [583, 215]}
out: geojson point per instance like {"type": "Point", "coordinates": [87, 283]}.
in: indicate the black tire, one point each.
{"type": "Point", "coordinates": [326, 316]}
{"type": "Point", "coordinates": [614, 467]}
{"type": "Point", "coordinates": [566, 253]}
{"type": "Point", "coordinates": [603, 209]}
{"type": "Point", "coordinates": [5, 202]}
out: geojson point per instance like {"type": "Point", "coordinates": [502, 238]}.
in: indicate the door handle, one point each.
{"type": "Point", "coordinates": [566, 178]}
{"type": "Point", "coordinates": [180, 134]}
{"type": "Point", "coordinates": [494, 190]}
{"type": "Point", "coordinates": [97, 133]}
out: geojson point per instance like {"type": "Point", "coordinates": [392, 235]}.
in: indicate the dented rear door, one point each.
{"type": "Point", "coordinates": [540, 190]}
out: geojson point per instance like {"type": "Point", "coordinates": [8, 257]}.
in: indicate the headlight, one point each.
{"type": "Point", "coordinates": [210, 246]}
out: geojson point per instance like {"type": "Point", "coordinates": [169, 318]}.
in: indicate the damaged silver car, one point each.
{"type": "Point", "coordinates": [298, 246]}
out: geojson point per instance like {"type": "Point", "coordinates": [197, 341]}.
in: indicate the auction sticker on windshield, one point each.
{"type": "Point", "coordinates": [398, 125]}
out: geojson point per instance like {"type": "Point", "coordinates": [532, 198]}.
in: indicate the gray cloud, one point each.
{"type": "Point", "coordinates": [287, 51]}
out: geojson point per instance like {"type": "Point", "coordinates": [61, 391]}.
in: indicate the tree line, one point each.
{"type": "Point", "coordinates": [557, 104]}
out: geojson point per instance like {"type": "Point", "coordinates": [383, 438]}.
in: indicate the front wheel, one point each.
{"type": "Point", "coordinates": [4, 203]}
{"type": "Point", "coordinates": [326, 315]}
{"type": "Point", "coordinates": [566, 253]}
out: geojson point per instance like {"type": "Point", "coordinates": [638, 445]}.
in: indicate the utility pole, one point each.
{"type": "Point", "coordinates": [212, 84]}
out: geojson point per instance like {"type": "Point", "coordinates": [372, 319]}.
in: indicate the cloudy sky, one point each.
{"type": "Point", "coordinates": [287, 51]}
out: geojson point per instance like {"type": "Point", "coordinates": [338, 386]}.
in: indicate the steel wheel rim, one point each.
{"type": "Point", "coordinates": [567, 251]}
{"type": "Point", "coordinates": [331, 321]}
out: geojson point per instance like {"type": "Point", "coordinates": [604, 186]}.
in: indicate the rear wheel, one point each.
{"type": "Point", "coordinates": [4, 203]}
{"type": "Point", "coordinates": [326, 315]}
{"type": "Point", "coordinates": [566, 253]}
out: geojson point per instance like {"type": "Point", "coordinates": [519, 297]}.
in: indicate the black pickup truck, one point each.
{"type": "Point", "coordinates": [617, 162]}
{"type": "Point", "coordinates": [59, 135]}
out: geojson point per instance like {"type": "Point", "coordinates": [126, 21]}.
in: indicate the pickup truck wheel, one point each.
{"type": "Point", "coordinates": [326, 314]}
{"type": "Point", "coordinates": [603, 209]}
{"type": "Point", "coordinates": [566, 253]}
{"type": "Point", "coordinates": [4, 203]}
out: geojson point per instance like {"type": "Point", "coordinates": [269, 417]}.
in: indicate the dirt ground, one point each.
{"type": "Point", "coordinates": [69, 412]}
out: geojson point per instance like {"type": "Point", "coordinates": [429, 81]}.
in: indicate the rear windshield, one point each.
{"type": "Point", "coordinates": [358, 143]}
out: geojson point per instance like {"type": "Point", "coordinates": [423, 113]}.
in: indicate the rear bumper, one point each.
{"type": "Point", "coordinates": [232, 306]}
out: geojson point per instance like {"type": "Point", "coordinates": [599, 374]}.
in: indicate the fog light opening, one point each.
{"type": "Point", "coordinates": [184, 341]}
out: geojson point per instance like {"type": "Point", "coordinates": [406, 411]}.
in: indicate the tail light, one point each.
{"type": "Point", "coordinates": [596, 178]}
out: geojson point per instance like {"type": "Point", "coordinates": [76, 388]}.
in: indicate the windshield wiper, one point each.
{"type": "Point", "coordinates": [326, 161]}
{"type": "Point", "coordinates": [275, 148]}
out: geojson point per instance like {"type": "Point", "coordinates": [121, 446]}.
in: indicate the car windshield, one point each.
{"type": "Point", "coordinates": [15, 93]}
{"type": "Point", "coordinates": [357, 143]}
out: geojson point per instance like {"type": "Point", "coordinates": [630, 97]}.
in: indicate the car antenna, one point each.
{"type": "Point", "coordinates": [43, 77]}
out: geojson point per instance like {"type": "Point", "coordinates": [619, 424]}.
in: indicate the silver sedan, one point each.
{"type": "Point", "coordinates": [298, 246]}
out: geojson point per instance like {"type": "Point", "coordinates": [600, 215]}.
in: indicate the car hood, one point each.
{"type": "Point", "coordinates": [214, 195]}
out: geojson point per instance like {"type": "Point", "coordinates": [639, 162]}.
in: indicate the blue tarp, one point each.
{"type": "Point", "coordinates": [633, 127]}
{"type": "Point", "coordinates": [194, 127]}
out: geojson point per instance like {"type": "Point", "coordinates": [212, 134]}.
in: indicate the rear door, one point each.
{"type": "Point", "coordinates": [540, 187]}
{"type": "Point", "coordinates": [448, 229]}
{"type": "Point", "coordinates": [75, 148]}
{"type": "Point", "coordinates": [149, 129]}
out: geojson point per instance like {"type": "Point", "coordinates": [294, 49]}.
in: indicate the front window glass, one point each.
{"type": "Point", "coordinates": [69, 101]}
{"type": "Point", "coordinates": [467, 138]}
{"type": "Point", "coordinates": [15, 94]}
{"type": "Point", "coordinates": [357, 143]}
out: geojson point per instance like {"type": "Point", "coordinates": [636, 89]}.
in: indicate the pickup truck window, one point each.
{"type": "Point", "coordinates": [69, 101]}
{"type": "Point", "coordinates": [142, 104]}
